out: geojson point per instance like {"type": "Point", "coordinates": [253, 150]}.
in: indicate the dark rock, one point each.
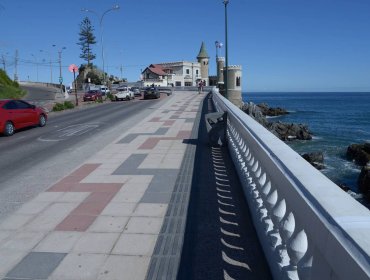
{"type": "Point", "coordinates": [359, 153]}
{"type": "Point", "coordinates": [255, 112]}
{"type": "Point", "coordinates": [364, 181]}
{"type": "Point", "coordinates": [344, 187]}
{"type": "Point", "coordinates": [283, 131]}
{"type": "Point", "coordinates": [270, 111]}
{"type": "Point", "coordinates": [316, 159]}
{"type": "Point", "coordinates": [286, 131]}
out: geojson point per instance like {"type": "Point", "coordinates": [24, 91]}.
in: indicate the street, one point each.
{"type": "Point", "coordinates": [34, 158]}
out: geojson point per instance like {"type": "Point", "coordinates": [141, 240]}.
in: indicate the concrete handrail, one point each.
{"type": "Point", "coordinates": [308, 227]}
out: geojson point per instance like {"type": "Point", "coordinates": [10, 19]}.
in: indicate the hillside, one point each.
{"type": "Point", "coordinates": [8, 88]}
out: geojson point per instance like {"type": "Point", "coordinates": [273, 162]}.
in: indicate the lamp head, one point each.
{"type": "Point", "coordinates": [226, 2]}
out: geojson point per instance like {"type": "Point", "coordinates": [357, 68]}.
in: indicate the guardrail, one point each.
{"type": "Point", "coordinates": [41, 84]}
{"type": "Point", "coordinates": [308, 227]}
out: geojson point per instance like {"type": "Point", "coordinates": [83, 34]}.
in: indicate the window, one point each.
{"type": "Point", "coordinates": [188, 84]}
{"type": "Point", "coordinates": [238, 81]}
{"type": "Point", "coordinates": [10, 105]}
{"type": "Point", "coordinates": [197, 72]}
{"type": "Point", "coordinates": [178, 84]}
{"type": "Point", "coordinates": [187, 71]}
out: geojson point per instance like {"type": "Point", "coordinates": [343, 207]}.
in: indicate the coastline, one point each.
{"type": "Point", "coordinates": [336, 121]}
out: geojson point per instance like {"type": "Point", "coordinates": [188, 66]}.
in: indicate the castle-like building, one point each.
{"type": "Point", "coordinates": [178, 74]}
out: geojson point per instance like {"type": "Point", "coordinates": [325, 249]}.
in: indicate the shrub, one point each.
{"type": "Point", "coordinates": [68, 105]}
{"type": "Point", "coordinates": [110, 96]}
{"type": "Point", "coordinates": [58, 107]}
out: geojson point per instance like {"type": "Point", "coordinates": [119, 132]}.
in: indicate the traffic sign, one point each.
{"type": "Point", "coordinates": [60, 80]}
{"type": "Point", "coordinates": [73, 68]}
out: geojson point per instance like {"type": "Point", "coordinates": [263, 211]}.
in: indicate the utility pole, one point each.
{"type": "Point", "coordinates": [121, 68]}
{"type": "Point", "coordinates": [226, 73]}
{"type": "Point", "coordinates": [16, 66]}
{"type": "Point", "coordinates": [60, 72]}
{"type": "Point", "coordinates": [4, 66]}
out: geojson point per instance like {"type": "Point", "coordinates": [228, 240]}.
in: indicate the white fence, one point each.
{"type": "Point", "coordinates": [308, 227]}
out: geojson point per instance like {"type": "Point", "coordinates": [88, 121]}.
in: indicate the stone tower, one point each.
{"type": "Point", "coordinates": [220, 68]}
{"type": "Point", "coordinates": [234, 80]}
{"type": "Point", "coordinates": [203, 59]}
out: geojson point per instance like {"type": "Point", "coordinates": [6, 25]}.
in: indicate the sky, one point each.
{"type": "Point", "coordinates": [282, 45]}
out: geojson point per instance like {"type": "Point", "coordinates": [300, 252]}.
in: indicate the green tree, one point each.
{"type": "Point", "coordinates": [94, 78]}
{"type": "Point", "coordinates": [86, 40]}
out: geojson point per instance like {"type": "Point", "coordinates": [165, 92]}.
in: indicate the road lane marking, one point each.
{"type": "Point", "coordinates": [69, 131]}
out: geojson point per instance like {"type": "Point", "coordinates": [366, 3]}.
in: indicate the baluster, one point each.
{"type": "Point", "coordinates": [287, 225]}
{"type": "Point", "coordinates": [296, 248]}
{"type": "Point", "coordinates": [278, 212]}
{"type": "Point", "coordinates": [305, 264]}
{"type": "Point", "coordinates": [270, 203]}
{"type": "Point", "coordinates": [265, 190]}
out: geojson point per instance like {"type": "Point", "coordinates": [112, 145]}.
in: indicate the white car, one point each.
{"type": "Point", "coordinates": [104, 90]}
{"type": "Point", "coordinates": [124, 93]}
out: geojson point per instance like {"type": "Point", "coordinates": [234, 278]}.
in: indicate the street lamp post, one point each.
{"type": "Point", "coordinates": [218, 46]}
{"type": "Point", "coordinates": [226, 53]}
{"type": "Point", "coordinates": [115, 7]}
{"type": "Point", "coordinates": [60, 68]}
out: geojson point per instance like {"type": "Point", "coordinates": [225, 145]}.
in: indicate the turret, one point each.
{"type": "Point", "coordinates": [203, 59]}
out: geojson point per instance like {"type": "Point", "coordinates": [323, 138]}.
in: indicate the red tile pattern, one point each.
{"type": "Point", "coordinates": [86, 213]}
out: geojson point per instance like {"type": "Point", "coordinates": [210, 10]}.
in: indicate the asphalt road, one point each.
{"type": "Point", "coordinates": [35, 92]}
{"type": "Point", "coordinates": [33, 159]}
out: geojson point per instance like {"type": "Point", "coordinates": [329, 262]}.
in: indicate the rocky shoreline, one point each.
{"type": "Point", "coordinates": [284, 131]}
{"type": "Point", "coordinates": [359, 153]}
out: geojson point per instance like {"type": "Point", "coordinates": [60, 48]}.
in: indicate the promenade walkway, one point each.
{"type": "Point", "coordinates": [120, 215]}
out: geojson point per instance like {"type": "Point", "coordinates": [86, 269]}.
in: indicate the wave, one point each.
{"type": "Point", "coordinates": [272, 117]}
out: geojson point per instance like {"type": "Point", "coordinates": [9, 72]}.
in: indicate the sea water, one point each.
{"type": "Point", "coordinates": [336, 120]}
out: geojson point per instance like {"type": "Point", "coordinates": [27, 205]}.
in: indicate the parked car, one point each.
{"type": "Point", "coordinates": [17, 114]}
{"type": "Point", "coordinates": [151, 92]}
{"type": "Point", "coordinates": [123, 93]}
{"type": "Point", "coordinates": [92, 95]}
{"type": "Point", "coordinates": [136, 91]}
{"type": "Point", "coordinates": [104, 90]}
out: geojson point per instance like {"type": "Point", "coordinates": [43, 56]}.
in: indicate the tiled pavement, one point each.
{"type": "Point", "coordinates": [108, 218]}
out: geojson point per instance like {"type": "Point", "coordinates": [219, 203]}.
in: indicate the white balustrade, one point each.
{"type": "Point", "coordinates": [308, 227]}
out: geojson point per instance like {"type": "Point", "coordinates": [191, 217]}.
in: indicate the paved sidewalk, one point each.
{"type": "Point", "coordinates": [104, 219]}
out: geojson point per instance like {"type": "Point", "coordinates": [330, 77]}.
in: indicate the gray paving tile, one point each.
{"type": "Point", "coordinates": [36, 266]}
{"type": "Point", "coordinates": [130, 165]}
{"type": "Point", "coordinates": [165, 260]}
{"type": "Point", "coordinates": [130, 137]}
{"type": "Point", "coordinates": [189, 120]}
{"type": "Point", "coordinates": [156, 197]}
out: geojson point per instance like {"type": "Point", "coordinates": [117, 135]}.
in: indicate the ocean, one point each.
{"type": "Point", "coordinates": [336, 120]}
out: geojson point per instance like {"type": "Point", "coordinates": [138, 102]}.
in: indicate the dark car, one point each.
{"type": "Point", "coordinates": [17, 114]}
{"type": "Point", "coordinates": [93, 95]}
{"type": "Point", "coordinates": [151, 92]}
{"type": "Point", "coordinates": [136, 91]}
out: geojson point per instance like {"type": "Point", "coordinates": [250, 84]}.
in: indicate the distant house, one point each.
{"type": "Point", "coordinates": [178, 74]}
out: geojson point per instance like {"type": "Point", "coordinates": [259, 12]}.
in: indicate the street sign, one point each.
{"type": "Point", "coordinates": [73, 68]}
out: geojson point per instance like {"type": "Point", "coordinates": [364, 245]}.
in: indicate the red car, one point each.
{"type": "Point", "coordinates": [17, 114]}
{"type": "Point", "coordinates": [93, 95]}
